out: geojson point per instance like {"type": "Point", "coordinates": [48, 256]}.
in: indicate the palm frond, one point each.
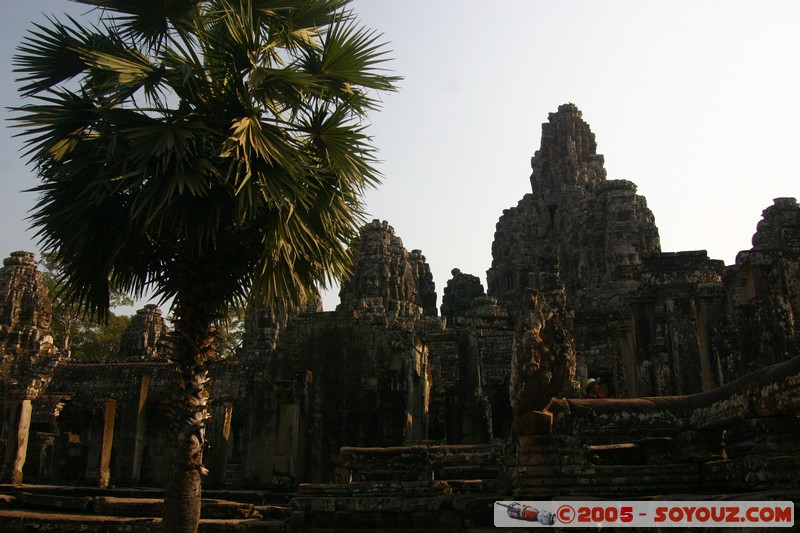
{"type": "Point", "coordinates": [148, 21]}
{"type": "Point", "coordinates": [130, 66]}
{"type": "Point", "coordinates": [241, 170]}
{"type": "Point", "coordinates": [351, 59]}
{"type": "Point", "coordinates": [53, 126]}
{"type": "Point", "coordinates": [186, 78]}
{"type": "Point", "coordinates": [49, 56]}
{"type": "Point", "coordinates": [343, 147]}
{"type": "Point", "coordinates": [281, 90]}
{"type": "Point", "coordinates": [297, 23]}
{"type": "Point", "coordinates": [263, 152]}
{"type": "Point", "coordinates": [87, 232]}
{"type": "Point", "coordinates": [212, 149]}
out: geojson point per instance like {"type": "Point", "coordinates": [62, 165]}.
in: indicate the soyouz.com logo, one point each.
{"type": "Point", "coordinates": [643, 514]}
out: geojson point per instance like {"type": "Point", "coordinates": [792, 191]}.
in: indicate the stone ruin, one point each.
{"type": "Point", "coordinates": [386, 399]}
{"type": "Point", "coordinates": [28, 357]}
{"type": "Point", "coordinates": [143, 337]}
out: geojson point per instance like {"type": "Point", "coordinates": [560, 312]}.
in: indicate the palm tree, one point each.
{"type": "Point", "coordinates": [202, 150]}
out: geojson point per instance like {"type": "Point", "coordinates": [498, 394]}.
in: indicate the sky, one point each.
{"type": "Point", "coordinates": [697, 102]}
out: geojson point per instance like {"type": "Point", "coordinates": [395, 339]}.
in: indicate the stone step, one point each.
{"type": "Point", "coordinates": [52, 501]}
{"type": "Point", "coordinates": [472, 486]}
{"type": "Point", "coordinates": [375, 488]}
{"type": "Point", "coordinates": [467, 472]}
{"type": "Point", "coordinates": [530, 481]}
{"type": "Point", "coordinates": [256, 497]}
{"type": "Point", "coordinates": [274, 512]}
{"type": "Point", "coordinates": [627, 453]}
{"type": "Point", "coordinates": [65, 500]}
{"type": "Point", "coordinates": [115, 506]}
{"type": "Point", "coordinates": [26, 520]}
{"type": "Point", "coordinates": [422, 462]}
{"type": "Point", "coordinates": [443, 513]}
{"type": "Point", "coordinates": [76, 491]}
{"type": "Point", "coordinates": [7, 500]}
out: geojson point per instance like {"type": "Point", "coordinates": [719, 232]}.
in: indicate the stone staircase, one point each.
{"type": "Point", "coordinates": [421, 488]}
{"type": "Point", "coordinates": [406, 488]}
{"type": "Point", "coordinates": [378, 506]}
{"type": "Point", "coordinates": [58, 509]}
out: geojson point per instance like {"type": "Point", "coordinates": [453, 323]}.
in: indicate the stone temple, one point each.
{"type": "Point", "coordinates": [392, 413]}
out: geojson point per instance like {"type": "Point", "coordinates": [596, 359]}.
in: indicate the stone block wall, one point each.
{"type": "Point", "coordinates": [359, 394]}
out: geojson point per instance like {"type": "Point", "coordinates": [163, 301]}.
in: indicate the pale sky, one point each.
{"type": "Point", "coordinates": [697, 102]}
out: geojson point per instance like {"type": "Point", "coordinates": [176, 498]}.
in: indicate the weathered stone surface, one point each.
{"type": "Point", "coordinates": [769, 392]}
{"type": "Point", "coordinates": [464, 377]}
{"type": "Point", "coordinates": [144, 338]}
{"type": "Point", "coordinates": [567, 157]}
{"type": "Point", "coordinates": [777, 231]}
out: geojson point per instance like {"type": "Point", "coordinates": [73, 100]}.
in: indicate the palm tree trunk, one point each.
{"type": "Point", "coordinates": [192, 344]}
{"type": "Point", "coordinates": [182, 496]}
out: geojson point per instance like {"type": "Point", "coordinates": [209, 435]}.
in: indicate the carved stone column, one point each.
{"type": "Point", "coordinates": [101, 439]}
{"type": "Point", "coordinates": [110, 413]}
{"type": "Point", "coordinates": [220, 429]}
{"type": "Point", "coordinates": [17, 441]}
{"type": "Point", "coordinates": [140, 430]}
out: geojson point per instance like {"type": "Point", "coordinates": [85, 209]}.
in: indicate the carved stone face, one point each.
{"type": "Point", "coordinates": [625, 260]}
